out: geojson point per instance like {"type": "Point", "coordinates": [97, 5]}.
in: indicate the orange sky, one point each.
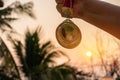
{"type": "Point", "coordinates": [48, 18]}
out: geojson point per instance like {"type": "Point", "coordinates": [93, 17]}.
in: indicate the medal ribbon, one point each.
{"type": "Point", "coordinates": [68, 3]}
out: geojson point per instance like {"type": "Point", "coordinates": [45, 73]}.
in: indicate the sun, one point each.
{"type": "Point", "coordinates": [89, 54]}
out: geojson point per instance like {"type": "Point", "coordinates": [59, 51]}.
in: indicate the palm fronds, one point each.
{"type": "Point", "coordinates": [37, 54]}
{"type": "Point", "coordinates": [11, 64]}
{"type": "Point", "coordinates": [25, 8]}
{"type": "Point", "coordinates": [16, 7]}
{"type": "Point", "coordinates": [37, 57]}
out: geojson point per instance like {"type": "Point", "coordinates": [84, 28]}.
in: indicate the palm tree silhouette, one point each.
{"type": "Point", "coordinates": [1, 3]}
{"type": "Point", "coordinates": [15, 7]}
{"type": "Point", "coordinates": [38, 57]}
{"type": "Point", "coordinates": [5, 19]}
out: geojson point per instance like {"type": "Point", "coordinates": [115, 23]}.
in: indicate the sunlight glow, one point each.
{"type": "Point", "coordinates": [89, 54]}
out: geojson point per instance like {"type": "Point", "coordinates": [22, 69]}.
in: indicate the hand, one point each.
{"type": "Point", "coordinates": [78, 9]}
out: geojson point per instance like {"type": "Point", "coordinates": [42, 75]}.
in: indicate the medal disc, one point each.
{"type": "Point", "coordinates": [68, 34]}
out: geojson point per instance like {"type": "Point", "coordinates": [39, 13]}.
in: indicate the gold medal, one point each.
{"type": "Point", "coordinates": [67, 33]}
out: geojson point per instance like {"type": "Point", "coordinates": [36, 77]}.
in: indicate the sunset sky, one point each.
{"type": "Point", "coordinates": [48, 18]}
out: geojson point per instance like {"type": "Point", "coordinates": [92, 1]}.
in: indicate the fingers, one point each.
{"type": "Point", "coordinates": [59, 1]}
{"type": "Point", "coordinates": [59, 7]}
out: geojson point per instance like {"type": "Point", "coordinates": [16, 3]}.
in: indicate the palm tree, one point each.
{"type": "Point", "coordinates": [8, 69]}
{"type": "Point", "coordinates": [38, 57]}
{"type": "Point", "coordinates": [1, 3]}
{"type": "Point", "coordinates": [63, 72]}
{"type": "Point", "coordinates": [15, 7]}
